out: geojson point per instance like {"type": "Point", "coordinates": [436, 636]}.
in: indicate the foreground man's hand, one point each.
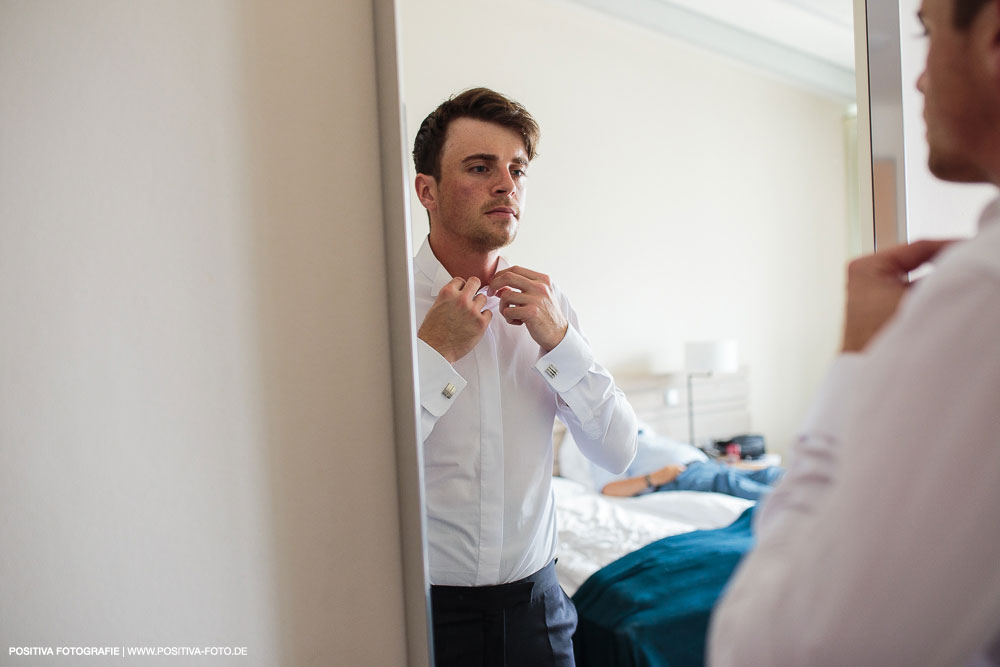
{"type": "Point", "coordinates": [526, 298]}
{"type": "Point", "coordinates": [875, 286]}
{"type": "Point", "coordinates": [456, 321]}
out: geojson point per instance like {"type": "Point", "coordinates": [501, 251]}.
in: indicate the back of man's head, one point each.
{"type": "Point", "coordinates": [477, 103]}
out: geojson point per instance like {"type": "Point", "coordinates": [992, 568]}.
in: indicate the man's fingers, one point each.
{"type": "Point", "coordinates": [909, 257]}
{"type": "Point", "coordinates": [519, 277]}
{"type": "Point", "coordinates": [514, 298]}
{"type": "Point", "coordinates": [521, 271]}
{"type": "Point", "coordinates": [479, 301]}
{"type": "Point", "coordinates": [508, 279]}
{"type": "Point", "coordinates": [472, 285]}
{"type": "Point", "coordinates": [516, 314]}
{"type": "Point", "coordinates": [456, 283]}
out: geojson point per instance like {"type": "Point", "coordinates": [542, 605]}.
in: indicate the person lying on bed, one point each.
{"type": "Point", "coordinates": [663, 464]}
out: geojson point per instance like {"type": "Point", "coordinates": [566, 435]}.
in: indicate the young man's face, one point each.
{"type": "Point", "coordinates": [480, 195]}
{"type": "Point", "coordinates": [958, 98]}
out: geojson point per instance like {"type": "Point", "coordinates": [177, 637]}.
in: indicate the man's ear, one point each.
{"type": "Point", "coordinates": [991, 41]}
{"type": "Point", "coordinates": [427, 193]}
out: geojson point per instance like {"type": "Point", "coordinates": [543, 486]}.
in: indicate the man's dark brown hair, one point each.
{"type": "Point", "coordinates": [966, 12]}
{"type": "Point", "coordinates": [479, 104]}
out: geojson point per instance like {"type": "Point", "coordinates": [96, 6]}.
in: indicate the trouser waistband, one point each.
{"type": "Point", "coordinates": [500, 596]}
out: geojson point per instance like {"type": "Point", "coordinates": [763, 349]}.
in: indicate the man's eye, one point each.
{"type": "Point", "coordinates": [520, 173]}
{"type": "Point", "coordinates": [479, 169]}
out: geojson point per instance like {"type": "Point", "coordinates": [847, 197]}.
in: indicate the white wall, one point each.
{"type": "Point", "coordinates": [934, 208]}
{"type": "Point", "coordinates": [195, 416]}
{"type": "Point", "coordinates": [677, 196]}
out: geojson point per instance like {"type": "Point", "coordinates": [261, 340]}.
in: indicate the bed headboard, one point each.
{"type": "Point", "coordinates": [721, 405]}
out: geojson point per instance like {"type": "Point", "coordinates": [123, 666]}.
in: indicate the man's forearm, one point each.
{"type": "Point", "coordinates": [633, 486]}
{"type": "Point", "coordinates": [625, 488]}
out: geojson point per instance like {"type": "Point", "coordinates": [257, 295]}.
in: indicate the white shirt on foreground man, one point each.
{"type": "Point", "coordinates": [882, 544]}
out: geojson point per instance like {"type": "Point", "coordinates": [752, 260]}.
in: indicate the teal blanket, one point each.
{"type": "Point", "coordinates": [650, 608]}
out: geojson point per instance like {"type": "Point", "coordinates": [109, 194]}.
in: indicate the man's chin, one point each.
{"type": "Point", "coordinates": [497, 239]}
{"type": "Point", "coordinates": [503, 242]}
{"type": "Point", "coordinates": [954, 170]}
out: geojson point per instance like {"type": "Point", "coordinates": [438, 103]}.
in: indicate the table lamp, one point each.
{"type": "Point", "coordinates": [704, 359]}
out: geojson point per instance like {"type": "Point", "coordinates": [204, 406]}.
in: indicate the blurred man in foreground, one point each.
{"type": "Point", "coordinates": [880, 545]}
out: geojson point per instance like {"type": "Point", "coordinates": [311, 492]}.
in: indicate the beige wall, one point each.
{"type": "Point", "coordinates": [678, 196]}
{"type": "Point", "coordinates": [195, 415]}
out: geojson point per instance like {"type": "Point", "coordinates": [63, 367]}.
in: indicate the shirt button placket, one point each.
{"type": "Point", "coordinates": [491, 461]}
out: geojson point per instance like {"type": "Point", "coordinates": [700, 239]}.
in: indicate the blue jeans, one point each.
{"type": "Point", "coordinates": [711, 476]}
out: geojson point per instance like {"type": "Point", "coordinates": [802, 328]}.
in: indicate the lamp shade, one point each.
{"type": "Point", "coordinates": [717, 356]}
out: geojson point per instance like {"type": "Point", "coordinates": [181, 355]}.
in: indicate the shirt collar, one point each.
{"type": "Point", "coordinates": [429, 265]}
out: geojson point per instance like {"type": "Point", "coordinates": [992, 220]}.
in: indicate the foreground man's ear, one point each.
{"type": "Point", "coordinates": [989, 41]}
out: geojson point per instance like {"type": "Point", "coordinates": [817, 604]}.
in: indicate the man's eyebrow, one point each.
{"type": "Point", "coordinates": [487, 157]}
{"type": "Point", "coordinates": [920, 16]}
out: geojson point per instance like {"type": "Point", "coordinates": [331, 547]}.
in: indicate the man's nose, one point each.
{"type": "Point", "coordinates": [505, 184]}
{"type": "Point", "coordinates": [922, 81]}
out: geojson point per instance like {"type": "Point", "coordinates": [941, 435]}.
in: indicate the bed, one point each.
{"type": "Point", "coordinates": [596, 530]}
{"type": "Point", "coordinates": [644, 572]}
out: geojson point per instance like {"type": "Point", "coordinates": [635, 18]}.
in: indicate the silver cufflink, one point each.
{"type": "Point", "coordinates": [552, 371]}
{"type": "Point", "coordinates": [448, 391]}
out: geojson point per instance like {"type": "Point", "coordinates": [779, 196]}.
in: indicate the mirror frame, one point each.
{"type": "Point", "coordinates": [402, 335]}
{"type": "Point", "coordinates": [881, 151]}
{"type": "Point", "coordinates": [398, 270]}
{"type": "Point", "coordinates": [866, 202]}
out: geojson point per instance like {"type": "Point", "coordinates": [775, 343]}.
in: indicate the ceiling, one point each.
{"type": "Point", "coordinates": [807, 42]}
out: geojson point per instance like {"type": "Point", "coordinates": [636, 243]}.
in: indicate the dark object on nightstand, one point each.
{"type": "Point", "coordinates": [751, 446]}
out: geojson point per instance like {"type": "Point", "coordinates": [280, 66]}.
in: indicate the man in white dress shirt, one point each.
{"type": "Point", "coordinates": [500, 356]}
{"type": "Point", "coordinates": [882, 544]}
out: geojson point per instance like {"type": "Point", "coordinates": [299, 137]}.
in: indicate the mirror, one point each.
{"type": "Point", "coordinates": [687, 189]}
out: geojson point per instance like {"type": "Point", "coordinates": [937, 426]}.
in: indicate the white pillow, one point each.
{"type": "Point", "coordinates": [567, 488]}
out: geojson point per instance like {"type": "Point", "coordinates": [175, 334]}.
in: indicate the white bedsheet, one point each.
{"type": "Point", "coordinates": [595, 530]}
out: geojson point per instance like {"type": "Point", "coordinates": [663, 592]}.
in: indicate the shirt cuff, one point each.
{"type": "Point", "coordinates": [567, 363]}
{"type": "Point", "coordinates": [828, 410]}
{"type": "Point", "coordinates": [440, 384]}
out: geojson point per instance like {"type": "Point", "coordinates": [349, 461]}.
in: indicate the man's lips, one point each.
{"type": "Point", "coordinates": [504, 210]}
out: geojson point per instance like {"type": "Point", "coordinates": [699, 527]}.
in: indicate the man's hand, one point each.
{"type": "Point", "coordinates": [526, 298]}
{"type": "Point", "coordinates": [666, 474]}
{"type": "Point", "coordinates": [456, 321]}
{"type": "Point", "coordinates": [876, 284]}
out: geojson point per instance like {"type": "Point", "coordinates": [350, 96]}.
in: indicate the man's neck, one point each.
{"type": "Point", "coordinates": [462, 261]}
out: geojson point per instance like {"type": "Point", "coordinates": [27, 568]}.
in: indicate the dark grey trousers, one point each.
{"type": "Point", "coordinates": [527, 623]}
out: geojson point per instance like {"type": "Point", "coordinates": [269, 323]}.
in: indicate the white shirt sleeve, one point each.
{"type": "Point", "coordinates": [881, 545]}
{"type": "Point", "coordinates": [439, 386]}
{"type": "Point", "coordinates": [596, 412]}
{"type": "Point", "coordinates": [814, 455]}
